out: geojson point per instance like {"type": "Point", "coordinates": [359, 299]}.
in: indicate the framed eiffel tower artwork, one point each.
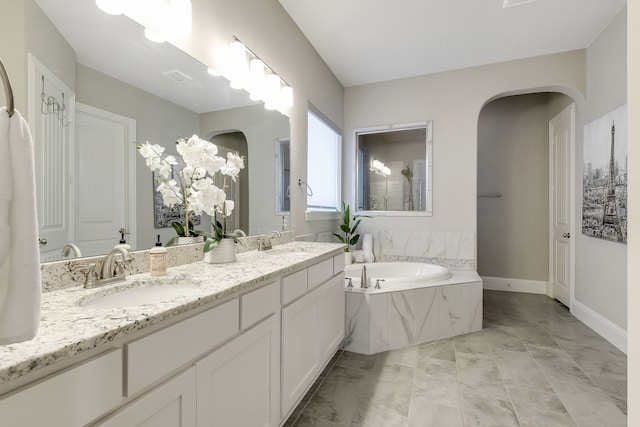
{"type": "Point", "coordinates": [604, 196]}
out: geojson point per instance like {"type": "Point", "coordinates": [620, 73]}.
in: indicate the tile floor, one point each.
{"type": "Point", "coordinates": [533, 364]}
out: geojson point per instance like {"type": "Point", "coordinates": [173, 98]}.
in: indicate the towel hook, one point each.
{"type": "Point", "coordinates": [7, 89]}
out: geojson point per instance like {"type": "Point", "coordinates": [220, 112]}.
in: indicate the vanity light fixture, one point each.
{"type": "Point", "coordinates": [247, 71]}
{"type": "Point", "coordinates": [112, 7]}
{"type": "Point", "coordinates": [378, 167]}
{"type": "Point", "coordinates": [172, 17]}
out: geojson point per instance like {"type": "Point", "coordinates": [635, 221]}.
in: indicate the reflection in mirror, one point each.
{"type": "Point", "coordinates": [283, 177]}
{"type": "Point", "coordinates": [115, 71]}
{"type": "Point", "coordinates": [394, 167]}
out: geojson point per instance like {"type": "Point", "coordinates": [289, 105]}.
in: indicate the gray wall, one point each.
{"type": "Point", "coordinates": [601, 276]}
{"type": "Point", "coordinates": [513, 159]}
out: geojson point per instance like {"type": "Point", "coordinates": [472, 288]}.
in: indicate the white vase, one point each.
{"type": "Point", "coordinates": [224, 252]}
{"type": "Point", "coordinates": [189, 240]}
{"type": "Point", "coordinates": [348, 258]}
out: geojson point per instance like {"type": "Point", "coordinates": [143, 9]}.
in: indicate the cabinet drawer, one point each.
{"type": "Point", "coordinates": [320, 273]}
{"type": "Point", "coordinates": [338, 264]}
{"type": "Point", "coordinates": [156, 355]}
{"type": "Point", "coordinates": [294, 286]}
{"type": "Point", "coordinates": [73, 397]}
{"type": "Point", "coordinates": [259, 304]}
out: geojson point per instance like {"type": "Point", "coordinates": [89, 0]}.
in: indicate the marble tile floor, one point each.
{"type": "Point", "coordinates": [534, 364]}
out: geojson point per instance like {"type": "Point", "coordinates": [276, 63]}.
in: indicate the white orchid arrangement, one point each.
{"type": "Point", "coordinates": [196, 190]}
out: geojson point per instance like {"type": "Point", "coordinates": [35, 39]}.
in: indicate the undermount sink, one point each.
{"type": "Point", "coordinates": [286, 251]}
{"type": "Point", "coordinates": [134, 296]}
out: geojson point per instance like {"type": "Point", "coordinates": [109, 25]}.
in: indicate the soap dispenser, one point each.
{"type": "Point", "coordinates": [123, 242]}
{"type": "Point", "coordinates": [158, 259]}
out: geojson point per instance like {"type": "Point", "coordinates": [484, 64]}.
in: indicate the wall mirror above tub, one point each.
{"type": "Point", "coordinates": [110, 66]}
{"type": "Point", "coordinates": [394, 169]}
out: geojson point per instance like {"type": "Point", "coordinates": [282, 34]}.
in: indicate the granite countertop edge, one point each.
{"type": "Point", "coordinates": [67, 329]}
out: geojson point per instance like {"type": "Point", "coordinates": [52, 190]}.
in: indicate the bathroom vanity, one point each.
{"type": "Point", "coordinates": [242, 347]}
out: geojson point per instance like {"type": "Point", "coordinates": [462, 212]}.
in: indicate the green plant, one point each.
{"type": "Point", "coordinates": [182, 231]}
{"type": "Point", "coordinates": [219, 232]}
{"type": "Point", "coordinates": [349, 226]}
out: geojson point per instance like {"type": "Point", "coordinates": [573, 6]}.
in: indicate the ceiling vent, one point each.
{"type": "Point", "coordinates": [511, 3]}
{"type": "Point", "coordinates": [177, 76]}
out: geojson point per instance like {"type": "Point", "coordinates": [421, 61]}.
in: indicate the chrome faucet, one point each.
{"type": "Point", "coordinates": [107, 270]}
{"type": "Point", "coordinates": [363, 277]}
{"type": "Point", "coordinates": [109, 264]}
{"type": "Point", "coordinates": [265, 242]}
{"type": "Point", "coordinates": [70, 247]}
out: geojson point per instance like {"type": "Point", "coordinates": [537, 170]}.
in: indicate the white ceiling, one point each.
{"type": "Point", "coordinates": [116, 46]}
{"type": "Point", "coordinates": [365, 41]}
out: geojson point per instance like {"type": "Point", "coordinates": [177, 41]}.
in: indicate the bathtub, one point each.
{"type": "Point", "coordinates": [397, 275]}
{"type": "Point", "coordinates": [417, 303]}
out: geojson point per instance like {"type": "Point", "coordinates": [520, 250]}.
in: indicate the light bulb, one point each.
{"type": "Point", "coordinates": [238, 64]}
{"type": "Point", "coordinates": [112, 7]}
{"type": "Point", "coordinates": [286, 97]}
{"type": "Point", "coordinates": [272, 92]}
{"type": "Point", "coordinates": [153, 36]}
{"type": "Point", "coordinates": [256, 79]}
{"type": "Point", "coordinates": [180, 13]}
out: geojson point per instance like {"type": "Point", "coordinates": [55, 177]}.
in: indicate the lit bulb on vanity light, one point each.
{"type": "Point", "coordinates": [153, 36]}
{"type": "Point", "coordinates": [286, 97]}
{"type": "Point", "coordinates": [181, 16]}
{"type": "Point", "coordinates": [213, 72]}
{"type": "Point", "coordinates": [256, 79]}
{"type": "Point", "coordinates": [272, 92]}
{"type": "Point", "coordinates": [238, 64]}
{"type": "Point", "coordinates": [112, 7]}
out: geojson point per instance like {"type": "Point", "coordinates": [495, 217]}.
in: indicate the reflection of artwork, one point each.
{"type": "Point", "coordinates": [163, 215]}
{"type": "Point", "coordinates": [604, 198]}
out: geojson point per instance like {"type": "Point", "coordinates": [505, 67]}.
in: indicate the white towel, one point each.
{"type": "Point", "coordinates": [20, 283]}
{"type": "Point", "coordinates": [367, 248]}
{"type": "Point", "coordinates": [5, 186]}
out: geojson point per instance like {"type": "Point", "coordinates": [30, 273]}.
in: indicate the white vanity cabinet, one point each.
{"type": "Point", "coordinates": [238, 384]}
{"type": "Point", "coordinates": [72, 397]}
{"type": "Point", "coordinates": [312, 328]}
{"type": "Point", "coordinates": [171, 404]}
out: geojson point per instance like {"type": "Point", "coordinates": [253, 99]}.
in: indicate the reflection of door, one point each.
{"type": "Point", "coordinates": [51, 103]}
{"type": "Point", "coordinates": [103, 180]}
{"type": "Point", "coordinates": [561, 148]}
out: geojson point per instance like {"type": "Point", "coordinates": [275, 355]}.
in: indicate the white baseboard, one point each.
{"type": "Point", "coordinates": [603, 326]}
{"type": "Point", "coordinates": [515, 285]}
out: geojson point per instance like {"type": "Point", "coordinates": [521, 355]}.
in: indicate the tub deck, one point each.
{"type": "Point", "coordinates": [406, 314]}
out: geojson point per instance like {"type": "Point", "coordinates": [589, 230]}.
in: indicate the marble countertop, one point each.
{"type": "Point", "coordinates": [67, 329]}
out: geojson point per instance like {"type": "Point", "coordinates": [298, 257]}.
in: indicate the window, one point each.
{"type": "Point", "coordinates": [324, 155]}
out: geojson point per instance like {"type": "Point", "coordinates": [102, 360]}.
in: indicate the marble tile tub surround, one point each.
{"type": "Point", "coordinates": [63, 274]}
{"type": "Point", "coordinates": [533, 365]}
{"type": "Point", "coordinates": [454, 250]}
{"type": "Point", "coordinates": [381, 320]}
{"type": "Point", "coordinates": [66, 329]}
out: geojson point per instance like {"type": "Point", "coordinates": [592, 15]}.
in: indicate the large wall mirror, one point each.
{"type": "Point", "coordinates": [394, 169]}
{"type": "Point", "coordinates": [112, 69]}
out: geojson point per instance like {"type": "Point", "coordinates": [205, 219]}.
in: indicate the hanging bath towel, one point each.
{"type": "Point", "coordinates": [20, 283]}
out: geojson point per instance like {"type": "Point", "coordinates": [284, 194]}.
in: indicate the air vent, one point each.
{"type": "Point", "coordinates": [177, 76]}
{"type": "Point", "coordinates": [511, 3]}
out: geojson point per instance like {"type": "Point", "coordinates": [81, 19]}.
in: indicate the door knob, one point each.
{"type": "Point", "coordinates": [566, 235]}
{"type": "Point", "coordinates": [42, 242]}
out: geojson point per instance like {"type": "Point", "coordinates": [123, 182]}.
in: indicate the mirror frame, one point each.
{"type": "Point", "coordinates": [428, 125]}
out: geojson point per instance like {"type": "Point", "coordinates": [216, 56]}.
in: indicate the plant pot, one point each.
{"type": "Point", "coordinates": [348, 258]}
{"type": "Point", "coordinates": [189, 240]}
{"type": "Point", "coordinates": [224, 252]}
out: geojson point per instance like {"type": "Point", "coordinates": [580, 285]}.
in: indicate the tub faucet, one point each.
{"type": "Point", "coordinates": [363, 277]}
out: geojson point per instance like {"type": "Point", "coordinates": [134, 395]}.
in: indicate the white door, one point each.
{"type": "Point", "coordinates": [561, 153]}
{"type": "Point", "coordinates": [51, 104]}
{"type": "Point", "coordinates": [103, 180]}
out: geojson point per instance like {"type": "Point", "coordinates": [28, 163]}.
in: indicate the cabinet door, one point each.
{"type": "Point", "coordinates": [238, 384]}
{"type": "Point", "coordinates": [70, 398]}
{"type": "Point", "coordinates": [171, 404]}
{"type": "Point", "coordinates": [300, 351]}
{"type": "Point", "coordinates": [332, 314]}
